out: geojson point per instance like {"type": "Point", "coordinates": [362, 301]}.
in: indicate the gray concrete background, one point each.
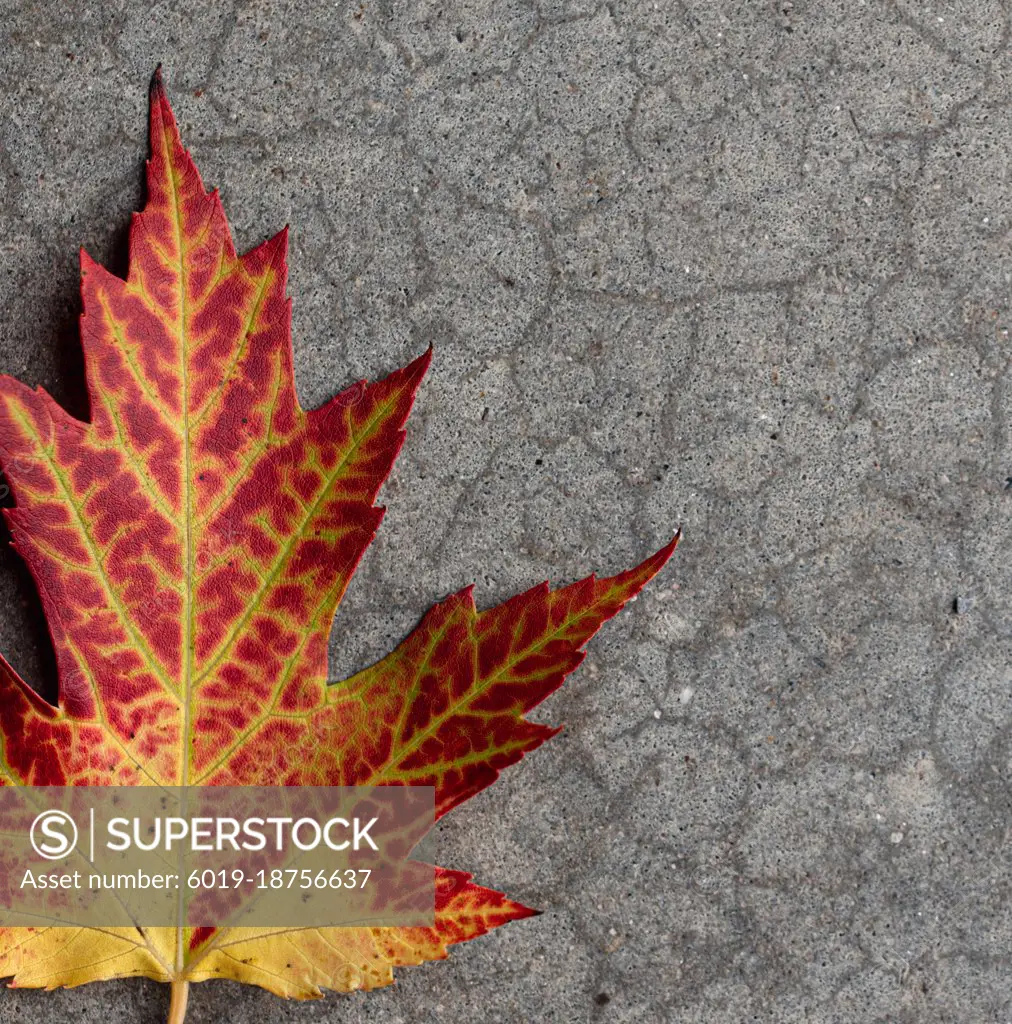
{"type": "Point", "coordinates": [739, 267]}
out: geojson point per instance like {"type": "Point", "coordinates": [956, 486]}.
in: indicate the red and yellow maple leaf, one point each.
{"type": "Point", "coordinates": [191, 543]}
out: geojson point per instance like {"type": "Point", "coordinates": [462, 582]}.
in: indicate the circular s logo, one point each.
{"type": "Point", "coordinates": [53, 834]}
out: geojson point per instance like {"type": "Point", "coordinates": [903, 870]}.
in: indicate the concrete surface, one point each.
{"type": "Point", "coordinates": [740, 267]}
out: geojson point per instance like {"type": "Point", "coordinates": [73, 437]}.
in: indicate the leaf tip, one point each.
{"type": "Point", "coordinates": [420, 364]}
{"type": "Point", "coordinates": [162, 127]}
{"type": "Point", "coordinates": [669, 549]}
{"type": "Point", "coordinates": [157, 89]}
{"type": "Point", "coordinates": [520, 912]}
{"type": "Point", "coordinates": [410, 377]}
{"type": "Point", "coordinates": [649, 568]}
{"type": "Point", "coordinates": [85, 261]}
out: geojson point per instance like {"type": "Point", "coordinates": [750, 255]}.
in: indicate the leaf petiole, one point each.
{"type": "Point", "coordinates": [177, 1004]}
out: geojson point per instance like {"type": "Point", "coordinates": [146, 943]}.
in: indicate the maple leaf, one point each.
{"type": "Point", "coordinates": [191, 543]}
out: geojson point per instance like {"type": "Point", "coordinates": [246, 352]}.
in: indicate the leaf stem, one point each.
{"type": "Point", "coordinates": [177, 1006]}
